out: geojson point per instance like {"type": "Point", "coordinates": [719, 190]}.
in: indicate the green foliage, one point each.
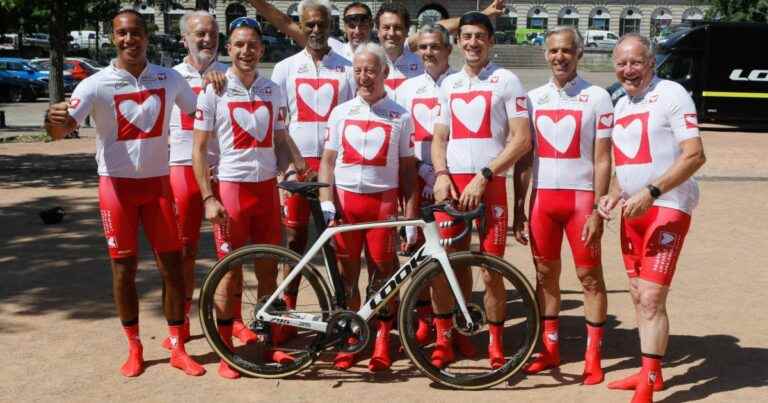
{"type": "Point", "coordinates": [738, 10]}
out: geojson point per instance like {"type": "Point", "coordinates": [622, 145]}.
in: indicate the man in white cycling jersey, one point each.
{"type": "Point", "coordinates": [656, 151]}
{"type": "Point", "coordinates": [248, 121]}
{"type": "Point", "coordinates": [368, 157]}
{"type": "Point", "coordinates": [482, 129]}
{"type": "Point", "coordinates": [315, 81]}
{"type": "Point", "coordinates": [571, 123]}
{"type": "Point", "coordinates": [200, 35]}
{"type": "Point", "coordinates": [130, 102]}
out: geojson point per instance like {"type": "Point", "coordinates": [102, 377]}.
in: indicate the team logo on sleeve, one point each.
{"type": "Point", "coordinates": [394, 115]}
{"type": "Point", "coordinates": [365, 142]}
{"type": "Point", "coordinates": [471, 115]}
{"type": "Point", "coordinates": [188, 122]}
{"type": "Point", "coordinates": [494, 79]}
{"type": "Point", "coordinates": [74, 102]}
{"type": "Point", "coordinates": [424, 112]}
{"type": "Point", "coordinates": [140, 115]}
{"type": "Point", "coordinates": [414, 67]}
{"type": "Point", "coordinates": [691, 121]}
{"type": "Point", "coordinates": [521, 104]}
{"type": "Point", "coordinates": [394, 83]}
{"type": "Point", "coordinates": [584, 98]}
{"type": "Point", "coordinates": [161, 76]}
{"type": "Point", "coordinates": [315, 98]}
{"type": "Point", "coordinates": [630, 140]}
{"type": "Point", "coordinates": [251, 124]}
{"type": "Point", "coordinates": [605, 121]}
{"type": "Point", "coordinates": [558, 133]}
{"type": "Point", "coordinates": [199, 114]}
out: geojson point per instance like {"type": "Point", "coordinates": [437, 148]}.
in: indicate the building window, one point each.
{"type": "Point", "coordinates": [537, 18]}
{"type": "Point", "coordinates": [661, 20]}
{"type": "Point", "coordinates": [568, 16]}
{"type": "Point", "coordinates": [599, 19]}
{"type": "Point", "coordinates": [630, 21]}
{"type": "Point", "coordinates": [234, 11]}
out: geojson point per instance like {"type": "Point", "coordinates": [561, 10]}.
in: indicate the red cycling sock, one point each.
{"type": "Point", "coordinates": [225, 332]}
{"type": "Point", "coordinates": [380, 360]}
{"type": "Point", "coordinates": [550, 354]}
{"type": "Point", "coordinates": [593, 370]}
{"type": "Point", "coordinates": [134, 365]}
{"type": "Point", "coordinates": [290, 299]}
{"type": "Point", "coordinates": [423, 311]}
{"type": "Point", "coordinates": [179, 357]}
{"type": "Point", "coordinates": [496, 345]}
{"type": "Point", "coordinates": [648, 374]}
{"type": "Point", "coordinates": [442, 355]}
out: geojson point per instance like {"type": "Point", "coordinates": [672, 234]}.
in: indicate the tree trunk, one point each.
{"type": "Point", "coordinates": [58, 43]}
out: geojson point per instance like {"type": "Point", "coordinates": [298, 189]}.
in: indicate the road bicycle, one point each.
{"type": "Point", "coordinates": [324, 325]}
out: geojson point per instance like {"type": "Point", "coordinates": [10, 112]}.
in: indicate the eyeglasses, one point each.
{"type": "Point", "coordinates": [357, 19]}
{"type": "Point", "coordinates": [244, 22]}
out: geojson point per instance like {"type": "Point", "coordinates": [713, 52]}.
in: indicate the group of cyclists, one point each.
{"type": "Point", "coordinates": [390, 126]}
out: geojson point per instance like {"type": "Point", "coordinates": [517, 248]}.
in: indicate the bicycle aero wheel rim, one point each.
{"type": "Point", "coordinates": [520, 322]}
{"type": "Point", "coordinates": [256, 359]}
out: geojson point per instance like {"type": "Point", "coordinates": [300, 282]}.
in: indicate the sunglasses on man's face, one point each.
{"type": "Point", "coordinates": [244, 22]}
{"type": "Point", "coordinates": [356, 19]}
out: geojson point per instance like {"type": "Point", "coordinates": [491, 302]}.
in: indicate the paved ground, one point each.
{"type": "Point", "coordinates": [60, 340]}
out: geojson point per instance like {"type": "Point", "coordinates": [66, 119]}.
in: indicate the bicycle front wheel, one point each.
{"type": "Point", "coordinates": [268, 357]}
{"type": "Point", "coordinates": [501, 302]}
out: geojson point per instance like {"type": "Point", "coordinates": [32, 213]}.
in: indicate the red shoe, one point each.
{"type": "Point", "coordinates": [344, 361]}
{"type": "Point", "coordinates": [442, 355]}
{"type": "Point", "coordinates": [184, 335]}
{"type": "Point", "coordinates": [134, 365]}
{"type": "Point", "coordinates": [630, 383]}
{"type": "Point", "coordinates": [423, 329]}
{"type": "Point", "coordinates": [179, 357]}
{"type": "Point", "coordinates": [593, 372]}
{"type": "Point", "coordinates": [380, 360]}
{"type": "Point", "coordinates": [495, 346]}
{"type": "Point", "coordinates": [464, 345]}
{"type": "Point", "coordinates": [225, 371]}
{"type": "Point", "coordinates": [243, 333]}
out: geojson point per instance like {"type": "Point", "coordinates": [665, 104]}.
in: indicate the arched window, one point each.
{"type": "Point", "coordinates": [431, 14]}
{"type": "Point", "coordinates": [234, 11]}
{"type": "Point", "coordinates": [568, 16]}
{"type": "Point", "coordinates": [692, 14]}
{"type": "Point", "coordinates": [661, 20]}
{"type": "Point", "coordinates": [630, 20]}
{"type": "Point", "coordinates": [506, 25]}
{"type": "Point", "coordinates": [537, 18]}
{"type": "Point", "coordinates": [599, 19]}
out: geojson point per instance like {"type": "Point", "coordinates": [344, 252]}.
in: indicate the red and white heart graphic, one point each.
{"type": "Point", "coordinates": [471, 115]}
{"type": "Point", "coordinates": [251, 124]}
{"type": "Point", "coordinates": [394, 83]}
{"type": "Point", "coordinates": [365, 142]}
{"type": "Point", "coordinates": [605, 121]}
{"type": "Point", "coordinates": [424, 111]}
{"type": "Point", "coordinates": [521, 104]}
{"type": "Point", "coordinates": [630, 140]}
{"type": "Point", "coordinates": [188, 122]}
{"type": "Point", "coordinates": [558, 133]}
{"type": "Point", "coordinates": [140, 115]}
{"type": "Point", "coordinates": [691, 120]}
{"type": "Point", "coordinates": [315, 98]}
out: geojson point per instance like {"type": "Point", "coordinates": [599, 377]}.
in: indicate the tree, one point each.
{"type": "Point", "coordinates": [738, 10]}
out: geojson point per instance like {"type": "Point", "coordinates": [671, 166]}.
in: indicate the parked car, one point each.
{"type": "Point", "coordinates": [78, 69]}
{"type": "Point", "coordinates": [37, 39]}
{"type": "Point", "coordinates": [596, 39]}
{"type": "Point", "coordinates": [87, 39]}
{"type": "Point", "coordinates": [14, 89]}
{"type": "Point", "coordinates": [20, 68]}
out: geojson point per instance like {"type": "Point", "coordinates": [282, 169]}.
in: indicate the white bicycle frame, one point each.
{"type": "Point", "coordinates": [432, 248]}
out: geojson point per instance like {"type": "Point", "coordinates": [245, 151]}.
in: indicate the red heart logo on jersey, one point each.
{"type": "Point", "coordinates": [521, 104]}
{"type": "Point", "coordinates": [365, 142]}
{"type": "Point", "coordinates": [251, 124]}
{"type": "Point", "coordinates": [140, 115]}
{"type": "Point", "coordinates": [691, 120]}
{"type": "Point", "coordinates": [471, 115]}
{"type": "Point", "coordinates": [605, 121]}
{"type": "Point", "coordinates": [394, 83]}
{"type": "Point", "coordinates": [424, 111]}
{"type": "Point", "coordinates": [188, 122]}
{"type": "Point", "coordinates": [630, 140]}
{"type": "Point", "coordinates": [558, 133]}
{"type": "Point", "coordinates": [315, 98]}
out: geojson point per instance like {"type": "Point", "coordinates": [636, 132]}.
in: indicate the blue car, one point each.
{"type": "Point", "coordinates": [20, 68]}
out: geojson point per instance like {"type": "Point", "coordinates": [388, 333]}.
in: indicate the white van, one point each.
{"type": "Point", "coordinates": [600, 39]}
{"type": "Point", "coordinates": [87, 39]}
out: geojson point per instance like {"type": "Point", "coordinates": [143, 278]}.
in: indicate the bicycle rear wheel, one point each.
{"type": "Point", "coordinates": [258, 359]}
{"type": "Point", "coordinates": [497, 293]}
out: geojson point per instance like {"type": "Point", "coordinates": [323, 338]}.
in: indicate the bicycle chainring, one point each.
{"type": "Point", "coordinates": [348, 326]}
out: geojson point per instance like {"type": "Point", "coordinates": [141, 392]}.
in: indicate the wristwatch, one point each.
{"type": "Point", "coordinates": [655, 192]}
{"type": "Point", "coordinates": [487, 173]}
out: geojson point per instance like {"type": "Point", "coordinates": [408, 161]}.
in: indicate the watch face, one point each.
{"type": "Point", "coordinates": [487, 173]}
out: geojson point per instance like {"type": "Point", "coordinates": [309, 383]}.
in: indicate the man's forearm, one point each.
{"type": "Point", "coordinates": [602, 167]}
{"type": "Point", "coordinates": [439, 151]}
{"type": "Point", "coordinates": [520, 180]}
{"type": "Point", "coordinates": [280, 20]}
{"type": "Point", "coordinates": [200, 163]}
{"type": "Point", "coordinates": [408, 186]}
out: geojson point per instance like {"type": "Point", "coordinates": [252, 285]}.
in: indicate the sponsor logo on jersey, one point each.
{"type": "Point", "coordinates": [161, 76]}
{"type": "Point", "coordinates": [558, 133]}
{"type": "Point", "coordinates": [605, 121]}
{"type": "Point", "coordinates": [667, 239]}
{"type": "Point", "coordinates": [494, 79]}
{"type": "Point", "coordinates": [691, 121]}
{"type": "Point", "coordinates": [303, 69]}
{"type": "Point", "coordinates": [583, 97]}
{"type": "Point", "coordinates": [630, 139]}
{"type": "Point", "coordinates": [198, 114]}
{"type": "Point", "coordinates": [521, 105]}
{"type": "Point", "coordinates": [394, 114]}
{"type": "Point", "coordinates": [74, 102]}
{"type": "Point", "coordinates": [653, 98]}
{"type": "Point", "coordinates": [543, 99]}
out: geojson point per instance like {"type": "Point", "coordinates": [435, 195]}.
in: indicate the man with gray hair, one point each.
{"type": "Point", "coordinates": [314, 81]}
{"type": "Point", "coordinates": [200, 35]}
{"type": "Point", "coordinates": [368, 158]}
{"type": "Point", "coordinates": [571, 123]}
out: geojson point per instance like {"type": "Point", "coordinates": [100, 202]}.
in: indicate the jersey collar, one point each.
{"type": "Point", "coordinates": [235, 81]}
{"type": "Point", "coordinates": [440, 79]}
{"type": "Point", "coordinates": [191, 70]}
{"type": "Point", "coordinates": [376, 104]}
{"type": "Point", "coordinates": [123, 72]}
{"type": "Point", "coordinates": [651, 86]}
{"type": "Point", "coordinates": [489, 69]}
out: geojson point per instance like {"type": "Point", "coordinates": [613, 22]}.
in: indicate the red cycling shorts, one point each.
{"type": "Point", "coordinates": [494, 240]}
{"type": "Point", "coordinates": [361, 208]}
{"type": "Point", "coordinates": [124, 202]}
{"type": "Point", "coordinates": [651, 243]}
{"type": "Point", "coordinates": [554, 211]}
{"type": "Point", "coordinates": [253, 210]}
{"type": "Point", "coordinates": [297, 207]}
{"type": "Point", "coordinates": [189, 203]}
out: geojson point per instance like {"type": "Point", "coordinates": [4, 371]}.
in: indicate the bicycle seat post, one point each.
{"type": "Point", "coordinates": [329, 253]}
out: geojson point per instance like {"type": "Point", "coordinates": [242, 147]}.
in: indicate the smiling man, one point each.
{"type": "Point", "coordinates": [572, 121]}
{"type": "Point", "coordinates": [130, 101]}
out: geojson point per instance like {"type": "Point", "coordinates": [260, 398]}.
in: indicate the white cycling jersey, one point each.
{"type": "Point", "coordinates": [419, 96]}
{"type": "Point", "coordinates": [477, 110]}
{"type": "Point", "coordinates": [408, 65]}
{"type": "Point", "coordinates": [131, 116]}
{"type": "Point", "coordinates": [343, 49]}
{"type": "Point", "coordinates": [244, 120]}
{"type": "Point", "coordinates": [647, 133]}
{"type": "Point", "coordinates": [369, 141]}
{"type": "Point", "coordinates": [181, 124]}
{"type": "Point", "coordinates": [312, 92]}
{"type": "Point", "coordinates": [566, 122]}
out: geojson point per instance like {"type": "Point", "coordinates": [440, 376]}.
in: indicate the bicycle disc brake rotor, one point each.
{"type": "Point", "coordinates": [478, 320]}
{"type": "Point", "coordinates": [351, 329]}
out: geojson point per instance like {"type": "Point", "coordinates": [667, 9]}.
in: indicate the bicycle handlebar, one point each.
{"type": "Point", "coordinates": [428, 213]}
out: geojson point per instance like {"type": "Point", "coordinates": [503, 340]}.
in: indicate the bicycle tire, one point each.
{"type": "Point", "coordinates": [240, 358]}
{"type": "Point", "coordinates": [521, 319]}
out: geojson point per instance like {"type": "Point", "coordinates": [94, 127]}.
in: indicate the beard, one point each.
{"type": "Point", "coordinates": [317, 42]}
{"type": "Point", "coordinates": [203, 57]}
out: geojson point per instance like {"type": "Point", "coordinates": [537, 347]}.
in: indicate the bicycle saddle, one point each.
{"type": "Point", "coordinates": [302, 188]}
